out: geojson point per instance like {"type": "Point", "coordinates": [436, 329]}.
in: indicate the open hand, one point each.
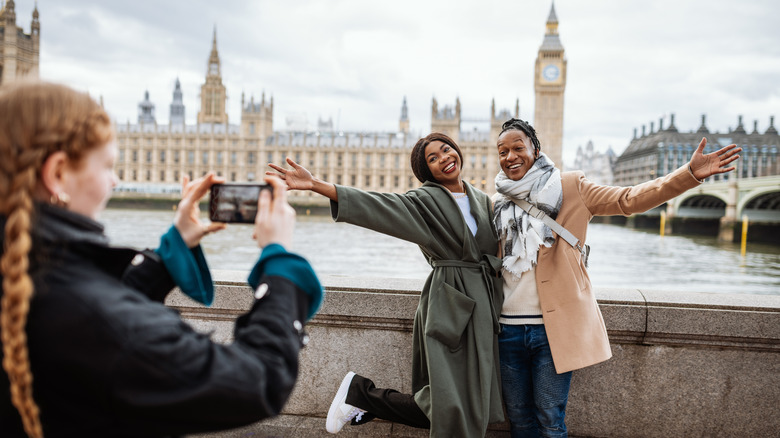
{"type": "Point", "coordinates": [187, 218]}
{"type": "Point", "coordinates": [298, 177]}
{"type": "Point", "coordinates": [704, 166]}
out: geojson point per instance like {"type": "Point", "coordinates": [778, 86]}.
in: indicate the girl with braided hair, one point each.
{"type": "Point", "coordinates": [550, 321]}
{"type": "Point", "coordinates": [455, 382]}
{"type": "Point", "coordinates": [88, 348]}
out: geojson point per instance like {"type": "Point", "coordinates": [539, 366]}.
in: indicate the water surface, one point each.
{"type": "Point", "coordinates": [620, 257]}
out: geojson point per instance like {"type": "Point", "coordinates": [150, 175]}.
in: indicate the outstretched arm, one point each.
{"type": "Point", "coordinates": [299, 178]}
{"type": "Point", "coordinates": [608, 200]}
{"type": "Point", "coordinates": [704, 166]}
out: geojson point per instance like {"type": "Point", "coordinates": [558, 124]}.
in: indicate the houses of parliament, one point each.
{"type": "Point", "coordinates": [152, 154]}
{"type": "Point", "coordinates": [155, 156]}
{"type": "Point", "coordinates": [19, 51]}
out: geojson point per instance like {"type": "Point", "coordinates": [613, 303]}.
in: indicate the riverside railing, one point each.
{"type": "Point", "coordinates": [684, 364]}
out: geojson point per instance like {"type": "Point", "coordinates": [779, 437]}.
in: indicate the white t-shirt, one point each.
{"type": "Point", "coordinates": [465, 208]}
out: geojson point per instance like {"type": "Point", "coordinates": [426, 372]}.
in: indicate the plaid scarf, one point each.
{"type": "Point", "coordinates": [522, 233]}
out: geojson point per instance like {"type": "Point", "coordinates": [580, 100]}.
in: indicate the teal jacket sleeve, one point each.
{"type": "Point", "coordinates": [187, 267]}
{"type": "Point", "coordinates": [276, 261]}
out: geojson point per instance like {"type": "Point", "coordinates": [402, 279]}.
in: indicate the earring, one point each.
{"type": "Point", "coordinates": [61, 199]}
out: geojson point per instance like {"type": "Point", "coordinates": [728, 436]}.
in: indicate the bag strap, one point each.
{"type": "Point", "coordinates": [555, 226]}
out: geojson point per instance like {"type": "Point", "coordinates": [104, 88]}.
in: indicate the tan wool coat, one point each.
{"type": "Point", "coordinates": [572, 319]}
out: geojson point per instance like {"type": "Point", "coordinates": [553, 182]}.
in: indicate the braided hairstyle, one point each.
{"type": "Point", "coordinates": [522, 125]}
{"type": "Point", "coordinates": [420, 164]}
{"type": "Point", "coordinates": [36, 120]}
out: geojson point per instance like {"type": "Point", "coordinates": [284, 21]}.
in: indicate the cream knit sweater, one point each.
{"type": "Point", "coordinates": [521, 299]}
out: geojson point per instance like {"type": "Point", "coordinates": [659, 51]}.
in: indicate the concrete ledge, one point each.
{"type": "Point", "coordinates": [685, 364]}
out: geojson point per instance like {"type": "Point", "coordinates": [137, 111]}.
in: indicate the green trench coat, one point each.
{"type": "Point", "coordinates": [455, 364]}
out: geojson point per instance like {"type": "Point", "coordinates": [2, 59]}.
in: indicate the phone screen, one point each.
{"type": "Point", "coordinates": [235, 203]}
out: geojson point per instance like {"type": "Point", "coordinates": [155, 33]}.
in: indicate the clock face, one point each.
{"type": "Point", "coordinates": [551, 72]}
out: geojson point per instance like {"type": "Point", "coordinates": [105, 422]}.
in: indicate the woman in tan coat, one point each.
{"type": "Point", "coordinates": [550, 321]}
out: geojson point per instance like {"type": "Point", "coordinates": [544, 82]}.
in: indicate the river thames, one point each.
{"type": "Point", "coordinates": [620, 257]}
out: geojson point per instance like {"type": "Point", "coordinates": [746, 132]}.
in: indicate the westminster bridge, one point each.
{"type": "Point", "coordinates": [727, 203]}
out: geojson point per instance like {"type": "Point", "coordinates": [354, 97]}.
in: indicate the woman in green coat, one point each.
{"type": "Point", "coordinates": [455, 352]}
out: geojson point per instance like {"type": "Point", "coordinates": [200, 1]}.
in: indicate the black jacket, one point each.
{"type": "Point", "coordinates": [110, 360]}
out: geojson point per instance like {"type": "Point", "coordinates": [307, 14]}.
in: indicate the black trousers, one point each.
{"type": "Point", "coordinates": [387, 404]}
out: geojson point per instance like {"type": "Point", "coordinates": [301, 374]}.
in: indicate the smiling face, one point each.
{"type": "Point", "coordinates": [516, 154]}
{"type": "Point", "coordinates": [90, 181]}
{"type": "Point", "coordinates": [443, 162]}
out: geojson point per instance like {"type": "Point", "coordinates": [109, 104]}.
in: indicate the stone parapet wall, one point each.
{"type": "Point", "coordinates": [685, 364]}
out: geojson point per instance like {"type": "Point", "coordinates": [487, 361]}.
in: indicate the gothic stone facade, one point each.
{"type": "Point", "coordinates": [152, 154]}
{"type": "Point", "coordinates": [158, 155]}
{"type": "Point", "coordinates": [659, 152]}
{"type": "Point", "coordinates": [19, 52]}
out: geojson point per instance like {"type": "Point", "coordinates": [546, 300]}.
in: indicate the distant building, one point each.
{"type": "Point", "coordinates": [597, 166]}
{"type": "Point", "coordinates": [19, 52]}
{"type": "Point", "coordinates": [549, 86]}
{"type": "Point", "coordinates": [658, 152]}
{"type": "Point", "coordinates": [158, 155]}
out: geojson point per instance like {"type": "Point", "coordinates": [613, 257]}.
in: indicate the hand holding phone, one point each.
{"type": "Point", "coordinates": [235, 203]}
{"type": "Point", "coordinates": [187, 217]}
{"type": "Point", "coordinates": [275, 221]}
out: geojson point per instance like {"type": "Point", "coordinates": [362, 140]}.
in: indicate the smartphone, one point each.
{"type": "Point", "coordinates": [235, 203]}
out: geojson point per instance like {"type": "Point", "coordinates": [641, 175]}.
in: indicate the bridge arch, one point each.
{"type": "Point", "coordinates": [761, 206]}
{"type": "Point", "coordinates": [701, 205]}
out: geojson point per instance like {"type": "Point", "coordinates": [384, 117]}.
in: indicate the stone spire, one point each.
{"type": "Point", "coordinates": [213, 94]}
{"type": "Point", "coordinates": [672, 128]}
{"type": "Point", "coordinates": [551, 39]}
{"type": "Point", "coordinates": [146, 110]}
{"type": "Point", "coordinates": [552, 18]}
{"type": "Point", "coordinates": [214, 65]}
{"type": "Point", "coordinates": [703, 128]}
{"type": "Point", "coordinates": [9, 13]}
{"type": "Point", "coordinates": [771, 129]}
{"type": "Point", "coordinates": [740, 129]}
{"type": "Point", "coordinates": [177, 105]}
{"type": "Point", "coordinates": [36, 24]}
{"type": "Point", "coordinates": [403, 123]}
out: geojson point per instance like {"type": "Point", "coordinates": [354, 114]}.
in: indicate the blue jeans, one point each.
{"type": "Point", "coordinates": [534, 394]}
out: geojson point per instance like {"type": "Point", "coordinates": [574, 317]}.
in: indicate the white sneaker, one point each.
{"type": "Point", "coordinates": [341, 413]}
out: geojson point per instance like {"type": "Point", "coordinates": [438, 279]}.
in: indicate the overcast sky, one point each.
{"type": "Point", "coordinates": [629, 63]}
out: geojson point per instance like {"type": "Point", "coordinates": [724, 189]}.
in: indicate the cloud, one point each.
{"type": "Point", "coordinates": [629, 64]}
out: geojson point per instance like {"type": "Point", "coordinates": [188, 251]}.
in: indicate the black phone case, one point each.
{"type": "Point", "coordinates": [235, 203]}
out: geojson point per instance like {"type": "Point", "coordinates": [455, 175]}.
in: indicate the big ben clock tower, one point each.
{"type": "Point", "coordinates": [213, 92]}
{"type": "Point", "coordinates": [549, 85]}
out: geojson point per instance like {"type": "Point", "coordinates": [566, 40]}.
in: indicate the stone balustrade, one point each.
{"type": "Point", "coordinates": [685, 364]}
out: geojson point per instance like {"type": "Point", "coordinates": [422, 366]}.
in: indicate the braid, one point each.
{"type": "Point", "coordinates": [37, 119]}
{"type": "Point", "coordinates": [522, 125]}
{"type": "Point", "coordinates": [15, 303]}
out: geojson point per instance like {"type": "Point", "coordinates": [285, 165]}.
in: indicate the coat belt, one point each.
{"type": "Point", "coordinates": [488, 266]}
